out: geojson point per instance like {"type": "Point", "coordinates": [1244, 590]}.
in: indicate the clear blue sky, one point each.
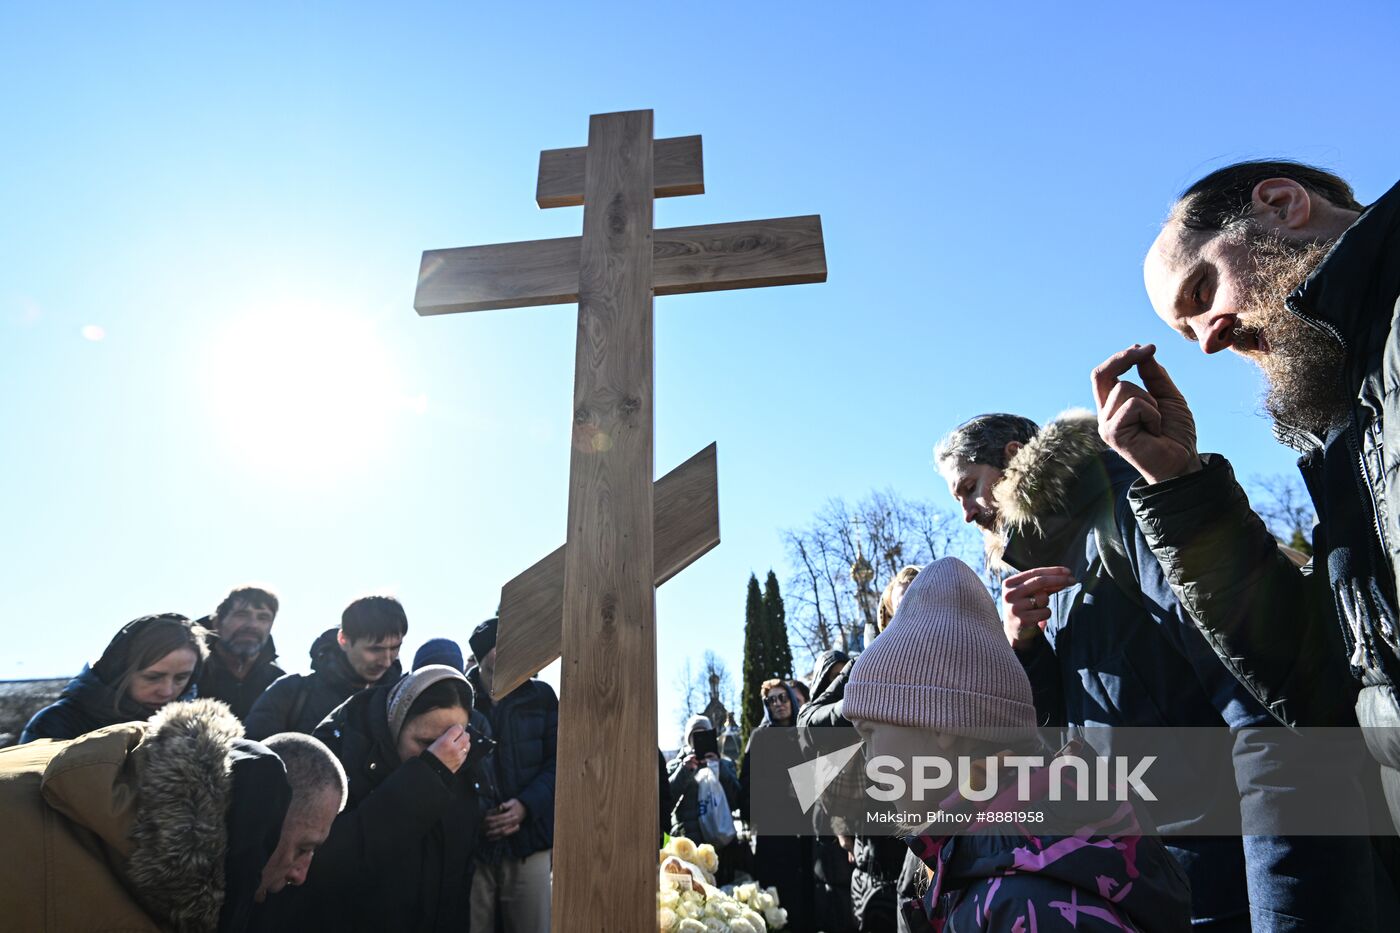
{"type": "Point", "coordinates": [211, 372]}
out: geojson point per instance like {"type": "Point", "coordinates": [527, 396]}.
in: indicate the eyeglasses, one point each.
{"type": "Point", "coordinates": [777, 699]}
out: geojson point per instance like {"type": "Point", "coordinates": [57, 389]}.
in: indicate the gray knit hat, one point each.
{"type": "Point", "coordinates": [943, 663]}
{"type": "Point", "coordinates": [411, 687]}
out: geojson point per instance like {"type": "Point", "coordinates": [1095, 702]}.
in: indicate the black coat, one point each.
{"type": "Point", "coordinates": [217, 681]}
{"type": "Point", "coordinates": [298, 702]}
{"type": "Point", "coordinates": [88, 703]}
{"type": "Point", "coordinates": [400, 856]}
{"type": "Point", "coordinates": [526, 726]}
{"type": "Point", "coordinates": [1290, 635]}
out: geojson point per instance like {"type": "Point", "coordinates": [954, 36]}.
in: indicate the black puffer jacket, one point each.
{"type": "Point", "coordinates": [298, 702]}
{"type": "Point", "coordinates": [399, 858]}
{"type": "Point", "coordinates": [1290, 635]}
{"type": "Point", "coordinates": [526, 727]}
{"type": "Point", "coordinates": [218, 683]}
{"type": "Point", "coordinates": [88, 703]}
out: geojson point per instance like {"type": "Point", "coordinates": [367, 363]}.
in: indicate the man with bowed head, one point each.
{"type": "Point", "coordinates": [172, 823]}
{"type": "Point", "coordinates": [1278, 262]}
{"type": "Point", "coordinates": [1105, 643]}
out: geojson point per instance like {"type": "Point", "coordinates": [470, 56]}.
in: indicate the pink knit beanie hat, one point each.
{"type": "Point", "coordinates": [943, 663]}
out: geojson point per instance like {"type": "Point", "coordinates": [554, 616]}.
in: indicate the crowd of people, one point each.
{"type": "Point", "coordinates": [1141, 590]}
{"type": "Point", "coordinates": [183, 781]}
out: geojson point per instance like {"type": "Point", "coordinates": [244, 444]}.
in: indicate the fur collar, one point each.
{"type": "Point", "coordinates": [178, 836]}
{"type": "Point", "coordinates": [1040, 478]}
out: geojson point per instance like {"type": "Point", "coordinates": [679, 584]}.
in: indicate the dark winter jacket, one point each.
{"type": "Point", "coordinates": [784, 862]}
{"type": "Point", "coordinates": [399, 858]}
{"type": "Point", "coordinates": [1121, 650]}
{"type": "Point", "coordinates": [1289, 634]}
{"type": "Point", "coordinates": [298, 702]}
{"type": "Point", "coordinates": [526, 727]}
{"type": "Point", "coordinates": [86, 704]}
{"type": "Point", "coordinates": [825, 706]}
{"type": "Point", "coordinates": [1105, 876]}
{"type": "Point", "coordinates": [875, 872]}
{"type": "Point", "coordinates": [685, 791]}
{"type": "Point", "coordinates": [149, 826]}
{"type": "Point", "coordinates": [217, 682]}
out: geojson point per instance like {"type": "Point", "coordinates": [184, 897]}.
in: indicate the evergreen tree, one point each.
{"type": "Point", "coordinates": [775, 616]}
{"type": "Point", "coordinates": [756, 662]}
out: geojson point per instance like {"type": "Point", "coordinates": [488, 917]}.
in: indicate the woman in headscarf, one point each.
{"type": "Point", "coordinates": [399, 858]}
{"type": "Point", "coordinates": [152, 661]}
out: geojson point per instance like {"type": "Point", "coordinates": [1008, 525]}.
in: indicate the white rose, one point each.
{"type": "Point", "coordinates": [740, 925]}
{"type": "Point", "coordinates": [682, 847]}
{"type": "Point", "coordinates": [772, 893]}
{"type": "Point", "coordinates": [762, 901]}
{"type": "Point", "coordinates": [707, 857]}
{"type": "Point", "coordinates": [745, 892]}
{"type": "Point", "coordinates": [754, 920]}
{"type": "Point", "coordinates": [668, 897]}
{"type": "Point", "coordinates": [688, 925]}
{"type": "Point", "coordinates": [776, 917]}
{"type": "Point", "coordinates": [665, 920]}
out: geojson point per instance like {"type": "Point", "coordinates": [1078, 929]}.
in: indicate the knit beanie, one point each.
{"type": "Point", "coordinates": [943, 663]}
{"type": "Point", "coordinates": [439, 651]}
{"type": "Point", "coordinates": [483, 639]}
{"type": "Point", "coordinates": [411, 687]}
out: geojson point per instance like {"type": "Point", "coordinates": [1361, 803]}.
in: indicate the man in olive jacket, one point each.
{"type": "Point", "coordinates": [175, 823]}
{"type": "Point", "coordinates": [1278, 262]}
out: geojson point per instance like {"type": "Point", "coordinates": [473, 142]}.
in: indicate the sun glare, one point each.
{"type": "Point", "coordinates": [304, 392]}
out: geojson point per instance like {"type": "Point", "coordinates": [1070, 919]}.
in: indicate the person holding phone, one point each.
{"type": "Point", "coordinates": [699, 749]}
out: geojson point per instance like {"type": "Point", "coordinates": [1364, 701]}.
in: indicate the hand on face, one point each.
{"type": "Point", "coordinates": [452, 748]}
{"type": "Point", "coordinates": [1026, 596]}
{"type": "Point", "coordinates": [1150, 426]}
{"type": "Point", "coordinates": [505, 820]}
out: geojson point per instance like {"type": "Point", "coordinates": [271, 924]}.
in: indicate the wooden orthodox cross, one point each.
{"type": "Point", "coordinates": [593, 601]}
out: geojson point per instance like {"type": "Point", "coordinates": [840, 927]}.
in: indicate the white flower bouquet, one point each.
{"type": "Point", "coordinates": [687, 900]}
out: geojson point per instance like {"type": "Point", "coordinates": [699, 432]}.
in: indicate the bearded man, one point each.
{"type": "Point", "coordinates": [242, 659]}
{"type": "Point", "coordinates": [1278, 262]}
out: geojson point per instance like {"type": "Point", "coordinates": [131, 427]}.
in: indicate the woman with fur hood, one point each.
{"type": "Point", "coordinates": [151, 661]}
{"type": "Point", "coordinates": [170, 824]}
{"type": "Point", "coordinates": [944, 673]}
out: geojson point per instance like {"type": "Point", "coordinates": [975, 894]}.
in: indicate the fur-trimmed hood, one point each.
{"type": "Point", "coordinates": [156, 795]}
{"type": "Point", "coordinates": [1051, 487]}
{"type": "Point", "coordinates": [1039, 480]}
{"type": "Point", "coordinates": [179, 834]}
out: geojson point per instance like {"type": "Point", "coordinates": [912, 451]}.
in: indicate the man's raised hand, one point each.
{"type": "Point", "coordinates": [1149, 425]}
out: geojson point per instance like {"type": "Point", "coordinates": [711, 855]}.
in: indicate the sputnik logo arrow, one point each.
{"type": "Point", "coordinates": [811, 778]}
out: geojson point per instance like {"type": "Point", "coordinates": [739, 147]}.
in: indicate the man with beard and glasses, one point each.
{"type": "Point", "coordinates": [1278, 262]}
{"type": "Point", "coordinates": [242, 661]}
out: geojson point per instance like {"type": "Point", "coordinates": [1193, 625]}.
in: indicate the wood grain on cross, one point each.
{"type": "Point", "coordinates": [593, 600]}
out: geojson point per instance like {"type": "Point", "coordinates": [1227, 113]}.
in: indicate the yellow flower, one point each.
{"type": "Point", "coordinates": [708, 858]}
